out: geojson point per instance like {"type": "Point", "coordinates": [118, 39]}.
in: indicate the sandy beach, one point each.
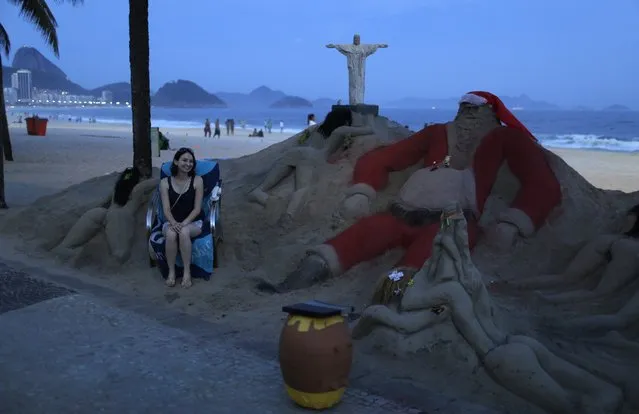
{"type": "Point", "coordinates": [254, 245]}
{"type": "Point", "coordinates": [71, 153]}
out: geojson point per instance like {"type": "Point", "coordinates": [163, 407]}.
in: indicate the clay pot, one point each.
{"type": "Point", "coordinates": [316, 353]}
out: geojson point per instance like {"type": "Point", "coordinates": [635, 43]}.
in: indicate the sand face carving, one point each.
{"type": "Point", "coordinates": [117, 220]}
{"type": "Point", "coordinates": [314, 147]}
{"type": "Point", "coordinates": [449, 289]}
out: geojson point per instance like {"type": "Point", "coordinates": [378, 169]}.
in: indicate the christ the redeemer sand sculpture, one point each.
{"type": "Point", "coordinates": [356, 55]}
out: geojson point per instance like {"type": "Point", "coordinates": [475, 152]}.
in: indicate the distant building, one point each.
{"type": "Point", "coordinates": [10, 95]}
{"type": "Point", "coordinates": [107, 96]}
{"type": "Point", "coordinates": [21, 81]}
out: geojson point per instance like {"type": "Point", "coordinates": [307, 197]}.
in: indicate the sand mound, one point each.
{"type": "Point", "coordinates": [256, 246]}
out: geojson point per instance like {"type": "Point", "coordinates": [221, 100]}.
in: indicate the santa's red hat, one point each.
{"type": "Point", "coordinates": [502, 113]}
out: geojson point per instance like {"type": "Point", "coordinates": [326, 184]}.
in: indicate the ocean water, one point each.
{"type": "Point", "coordinates": [597, 130]}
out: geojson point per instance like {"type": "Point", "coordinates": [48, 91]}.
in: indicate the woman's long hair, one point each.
{"type": "Point", "coordinates": [128, 179]}
{"type": "Point", "coordinates": [634, 231]}
{"type": "Point", "coordinates": [336, 118]}
{"type": "Point", "coordinates": [176, 158]}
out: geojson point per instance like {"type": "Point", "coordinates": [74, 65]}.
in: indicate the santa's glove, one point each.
{"type": "Point", "coordinates": [355, 206]}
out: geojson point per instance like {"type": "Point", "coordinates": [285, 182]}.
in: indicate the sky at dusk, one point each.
{"type": "Point", "coordinates": [568, 52]}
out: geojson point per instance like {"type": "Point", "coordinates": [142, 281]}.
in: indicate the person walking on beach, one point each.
{"type": "Point", "coordinates": [281, 127]}
{"type": "Point", "coordinates": [228, 126]}
{"type": "Point", "coordinates": [207, 128]}
{"type": "Point", "coordinates": [269, 125]}
{"type": "Point", "coordinates": [216, 133]}
{"type": "Point", "coordinates": [181, 195]}
{"type": "Point", "coordinates": [232, 125]}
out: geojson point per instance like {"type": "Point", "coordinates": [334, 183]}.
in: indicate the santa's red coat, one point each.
{"type": "Point", "coordinates": [371, 236]}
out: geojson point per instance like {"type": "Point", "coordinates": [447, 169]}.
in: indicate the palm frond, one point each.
{"type": "Point", "coordinates": [39, 13]}
{"type": "Point", "coordinates": [5, 43]}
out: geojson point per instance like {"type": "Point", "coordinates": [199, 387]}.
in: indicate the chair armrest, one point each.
{"type": "Point", "coordinates": [151, 210]}
{"type": "Point", "coordinates": [214, 201]}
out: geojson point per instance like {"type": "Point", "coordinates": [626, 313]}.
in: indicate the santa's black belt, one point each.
{"type": "Point", "coordinates": [423, 216]}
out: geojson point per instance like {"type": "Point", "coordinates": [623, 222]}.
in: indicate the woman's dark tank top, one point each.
{"type": "Point", "coordinates": [183, 205]}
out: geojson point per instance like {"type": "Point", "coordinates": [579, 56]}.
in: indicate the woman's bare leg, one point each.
{"type": "Point", "coordinates": [622, 269]}
{"type": "Point", "coordinates": [587, 260]}
{"type": "Point", "coordinates": [186, 235]}
{"type": "Point", "coordinates": [597, 396]}
{"type": "Point", "coordinates": [170, 250]}
{"type": "Point", "coordinates": [273, 178]}
{"type": "Point", "coordinates": [516, 368]}
{"type": "Point", "coordinates": [621, 320]}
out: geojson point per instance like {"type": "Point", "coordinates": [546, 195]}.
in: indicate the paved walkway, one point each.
{"type": "Point", "coordinates": [63, 352]}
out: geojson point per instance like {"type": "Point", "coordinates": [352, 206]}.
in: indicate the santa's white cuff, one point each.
{"type": "Point", "coordinates": [519, 219]}
{"type": "Point", "coordinates": [362, 188]}
{"type": "Point", "coordinates": [328, 253]}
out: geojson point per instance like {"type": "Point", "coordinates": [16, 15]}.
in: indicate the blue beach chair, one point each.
{"type": "Point", "coordinates": [205, 246]}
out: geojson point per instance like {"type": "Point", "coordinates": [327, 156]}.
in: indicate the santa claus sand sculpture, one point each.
{"type": "Point", "coordinates": [460, 161]}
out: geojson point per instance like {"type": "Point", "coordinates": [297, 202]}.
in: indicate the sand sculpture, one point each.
{"type": "Point", "coordinates": [461, 161]}
{"type": "Point", "coordinates": [316, 146]}
{"type": "Point", "coordinates": [116, 217]}
{"type": "Point", "coordinates": [449, 288]}
{"type": "Point", "coordinates": [616, 254]}
{"type": "Point", "coordinates": [254, 248]}
{"type": "Point", "coordinates": [356, 55]}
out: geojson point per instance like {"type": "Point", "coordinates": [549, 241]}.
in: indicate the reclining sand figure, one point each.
{"type": "Point", "coordinates": [116, 217]}
{"type": "Point", "coordinates": [623, 319]}
{"type": "Point", "coordinates": [316, 146]}
{"type": "Point", "coordinates": [450, 288]}
{"type": "Point", "coordinates": [459, 161]}
{"type": "Point", "coordinates": [617, 254]}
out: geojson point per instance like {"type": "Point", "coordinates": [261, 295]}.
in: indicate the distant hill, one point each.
{"type": "Point", "coordinates": [44, 73]}
{"type": "Point", "coordinates": [617, 108]}
{"type": "Point", "coordinates": [185, 94]}
{"type": "Point", "coordinates": [519, 102]}
{"type": "Point", "coordinates": [121, 91]}
{"type": "Point", "coordinates": [291, 102]}
{"type": "Point", "coordinates": [261, 97]}
{"type": "Point", "coordinates": [47, 75]}
{"type": "Point", "coordinates": [30, 58]}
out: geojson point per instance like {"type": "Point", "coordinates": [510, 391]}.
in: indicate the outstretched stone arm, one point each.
{"type": "Point", "coordinates": [373, 168]}
{"type": "Point", "coordinates": [452, 294]}
{"type": "Point", "coordinates": [345, 49]}
{"type": "Point", "coordinates": [370, 49]}
{"type": "Point", "coordinates": [540, 191]}
{"type": "Point", "coordinates": [405, 322]}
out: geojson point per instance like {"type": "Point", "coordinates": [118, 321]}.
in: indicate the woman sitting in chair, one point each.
{"type": "Point", "coordinates": [181, 195]}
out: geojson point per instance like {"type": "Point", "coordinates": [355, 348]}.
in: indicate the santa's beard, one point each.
{"type": "Point", "coordinates": [472, 123]}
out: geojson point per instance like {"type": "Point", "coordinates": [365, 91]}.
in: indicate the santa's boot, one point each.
{"type": "Point", "coordinates": [312, 269]}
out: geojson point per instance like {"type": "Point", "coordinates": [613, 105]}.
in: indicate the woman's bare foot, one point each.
{"type": "Point", "coordinates": [186, 281]}
{"type": "Point", "coordinates": [258, 196]}
{"type": "Point", "coordinates": [170, 280]}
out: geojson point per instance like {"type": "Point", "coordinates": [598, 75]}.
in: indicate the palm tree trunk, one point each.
{"type": "Point", "coordinates": [5, 139]}
{"type": "Point", "coordinates": [4, 136]}
{"type": "Point", "coordinates": [140, 85]}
